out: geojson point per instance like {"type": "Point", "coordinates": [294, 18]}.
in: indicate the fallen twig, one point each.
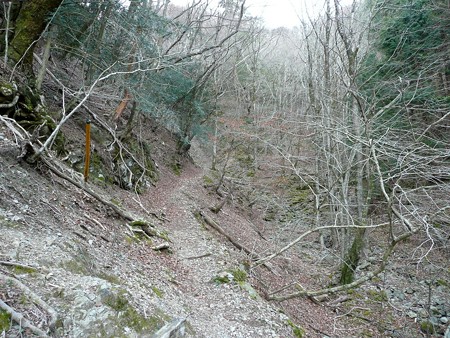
{"type": "Point", "coordinates": [198, 257]}
{"type": "Point", "coordinates": [90, 218]}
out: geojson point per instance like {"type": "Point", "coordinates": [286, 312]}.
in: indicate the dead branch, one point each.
{"type": "Point", "coordinates": [90, 218]}
{"type": "Point", "coordinates": [215, 226]}
{"type": "Point", "coordinates": [35, 299]}
{"type": "Point", "coordinates": [162, 246]}
{"type": "Point", "coordinates": [298, 239]}
{"type": "Point", "coordinates": [352, 285]}
{"type": "Point", "coordinates": [18, 265]}
{"type": "Point", "coordinates": [172, 329]}
{"type": "Point", "coordinates": [282, 288]}
{"type": "Point", "coordinates": [339, 301]}
{"type": "Point", "coordinates": [21, 320]}
{"type": "Point", "coordinates": [124, 214]}
{"type": "Point", "coordinates": [159, 216]}
{"type": "Point", "coordinates": [238, 245]}
{"type": "Point", "coordinates": [198, 257]}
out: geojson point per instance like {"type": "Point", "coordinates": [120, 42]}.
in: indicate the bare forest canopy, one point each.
{"type": "Point", "coordinates": [349, 111]}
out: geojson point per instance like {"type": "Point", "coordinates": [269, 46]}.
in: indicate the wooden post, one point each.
{"type": "Point", "coordinates": [88, 150]}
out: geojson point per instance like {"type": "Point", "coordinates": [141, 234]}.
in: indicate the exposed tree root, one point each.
{"type": "Point", "coordinates": [35, 299]}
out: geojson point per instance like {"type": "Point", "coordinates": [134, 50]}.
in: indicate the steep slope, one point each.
{"type": "Point", "coordinates": [85, 263]}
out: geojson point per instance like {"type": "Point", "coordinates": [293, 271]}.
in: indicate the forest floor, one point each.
{"type": "Point", "coordinates": [102, 280]}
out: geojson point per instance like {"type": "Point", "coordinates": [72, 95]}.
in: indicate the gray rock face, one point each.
{"type": "Point", "coordinates": [90, 315]}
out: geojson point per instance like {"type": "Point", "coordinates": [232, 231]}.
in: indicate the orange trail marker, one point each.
{"type": "Point", "coordinates": [88, 150]}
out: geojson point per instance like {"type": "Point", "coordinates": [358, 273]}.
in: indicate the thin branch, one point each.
{"type": "Point", "coordinates": [352, 285]}
{"type": "Point", "coordinates": [219, 44]}
{"type": "Point", "coordinates": [298, 239]}
{"type": "Point", "coordinates": [397, 213]}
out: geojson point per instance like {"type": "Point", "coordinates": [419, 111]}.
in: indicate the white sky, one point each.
{"type": "Point", "coordinates": [278, 13]}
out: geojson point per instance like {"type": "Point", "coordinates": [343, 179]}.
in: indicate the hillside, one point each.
{"type": "Point", "coordinates": [101, 279]}
{"type": "Point", "coordinates": [180, 170]}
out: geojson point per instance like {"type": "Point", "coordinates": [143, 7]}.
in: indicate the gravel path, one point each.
{"type": "Point", "coordinates": [217, 310]}
{"type": "Point", "coordinates": [102, 281]}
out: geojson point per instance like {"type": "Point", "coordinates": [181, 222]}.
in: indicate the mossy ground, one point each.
{"type": "Point", "coordinates": [298, 331]}
{"type": "Point", "coordinates": [128, 316]}
{"type": "Point", "coordinates": [158, 292]}
{"type": "Point", "coordinates": [5, 321]}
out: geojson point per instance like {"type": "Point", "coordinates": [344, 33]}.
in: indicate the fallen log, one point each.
{"type": "Point", "coordinates": [209, 221]}
{"type": "Point", "coordinates": [216, 226]}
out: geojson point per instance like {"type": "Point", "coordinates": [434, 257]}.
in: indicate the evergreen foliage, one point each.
{"type": "Point", "coordinates": [107, 35]}
{"type": "Point", "coordinates": [409, 56]}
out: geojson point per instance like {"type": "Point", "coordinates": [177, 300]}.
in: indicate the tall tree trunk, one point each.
{"type": "Point", "coordinates": [352, 259]}
{"type": "Point", "coordinates": [30, 24]}
{"type": "Point", "coordinates": [347, 35]}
